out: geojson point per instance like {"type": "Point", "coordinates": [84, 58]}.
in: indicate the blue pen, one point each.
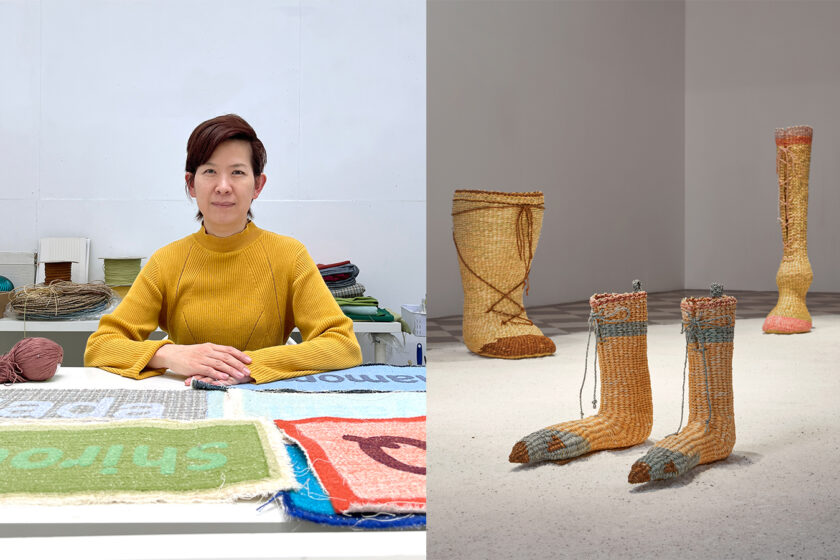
{"type": "Point", "coordinates": [419, 354]}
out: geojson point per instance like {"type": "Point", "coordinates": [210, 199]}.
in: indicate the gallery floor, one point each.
{"type": "Point", "coordinates": [775, 496]}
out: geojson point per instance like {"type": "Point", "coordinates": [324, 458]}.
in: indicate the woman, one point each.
{"type": "Point", "coordinates": [228, 295]}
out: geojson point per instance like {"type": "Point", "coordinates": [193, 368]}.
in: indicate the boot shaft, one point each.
{"type": "Point", "coordinates": [496, 236]}
{"type": "Point", "coordinates": [620, 324]}
{"type": "Point", "coordinates": [793, 164]}
{"type": "Point", "coordinates": [619, 315]}
{"type": "Point", "coordinates": [709, 325]}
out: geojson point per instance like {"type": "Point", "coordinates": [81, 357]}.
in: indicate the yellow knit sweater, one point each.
{"type": "Point", "coordinates": [248, 291]}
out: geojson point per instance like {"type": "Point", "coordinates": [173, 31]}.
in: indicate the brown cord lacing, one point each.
{"type": "Point", "coordinates": [523, 239]}
{"type": "Point", "coordinates": [785, 158]}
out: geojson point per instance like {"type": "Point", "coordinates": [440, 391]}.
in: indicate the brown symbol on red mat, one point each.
{"type": "Point", "coordinates": [372, 446]}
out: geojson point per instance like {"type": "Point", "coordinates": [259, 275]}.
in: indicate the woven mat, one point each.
{"type": "Point", "coordinates": [19, 403]}
{"type": "Point", "coordinates": [141, 461]}
{"type": "Point", "coordinates": [366, 465]}
{"type": "Point", "coordinates": [312, 503]}
{"type": "Point", "coordinates": [294, 406]}
{"type": "Point", "coordinates": [371, 378]}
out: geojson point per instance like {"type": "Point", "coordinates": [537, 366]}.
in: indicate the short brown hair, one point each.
{"type": "Point", "coordinates": [208, 135]}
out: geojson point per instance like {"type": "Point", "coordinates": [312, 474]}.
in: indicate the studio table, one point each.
{"type": "Point", "coordinates": [172, 530]}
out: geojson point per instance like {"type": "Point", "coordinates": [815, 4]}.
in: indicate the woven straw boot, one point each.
{"type": "Point", "coordinates": [709, 435]}
{"type": "Point", "coordinates": [626, 414]}
{"type": "Point", "coordinates": [495, 236]}
{"type": "Point", "coordinates": [793, 163]}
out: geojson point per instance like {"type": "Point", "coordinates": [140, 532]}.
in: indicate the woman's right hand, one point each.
{"type": "Point", "coordinates": [207, 360]}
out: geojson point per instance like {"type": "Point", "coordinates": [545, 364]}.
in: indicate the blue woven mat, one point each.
{"type": "Point", "coordinates": [293, 406]}
{"type": "Point", "coordinates": [311, 503]}
{"type": "Point", "coordinates": [371, 378]}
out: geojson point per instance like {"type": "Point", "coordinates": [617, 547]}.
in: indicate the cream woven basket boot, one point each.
{"type": "Point", "coordinates": [496, 235]}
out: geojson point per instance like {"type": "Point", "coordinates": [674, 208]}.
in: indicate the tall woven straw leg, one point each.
{"type": "Point", "coordinates": [495, 236]}
{"type": "Point", "coordinates": [625, 417]}
{"type": "Point", "coordinates": [793, 163]}
{"type": "Point", "coordinates": [709, 434]}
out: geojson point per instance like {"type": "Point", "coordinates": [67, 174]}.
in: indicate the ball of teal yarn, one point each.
{"type": "Point", "coordinates": [6, 284]}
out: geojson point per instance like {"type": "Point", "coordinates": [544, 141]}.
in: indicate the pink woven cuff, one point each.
{"type": "Point", "coordinates": [785, 325]}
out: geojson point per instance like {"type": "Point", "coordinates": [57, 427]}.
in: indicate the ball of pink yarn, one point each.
{"type": "Point", "coordinates": [31, 359]}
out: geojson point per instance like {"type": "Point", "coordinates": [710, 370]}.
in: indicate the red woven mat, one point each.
{"type": "Point", "coordinates": [366, 465]}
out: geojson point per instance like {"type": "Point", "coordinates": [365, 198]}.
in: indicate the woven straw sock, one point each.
{"type": "Point", "coordinates": [793, 163]}
{"type": "Point", "coordinates": [495, 236]}
{"type": "Point", "coordinates": [626, 414]}
{"type": "Point", "coordinates": [709, 435]}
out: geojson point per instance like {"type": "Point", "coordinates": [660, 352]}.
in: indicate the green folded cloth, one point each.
{"type": "Point", "coordinates": [382, 316]}
{"type": "Point", "coordinates": [360, 309]}
{"type": "Point", "coordinates": [360, 300]}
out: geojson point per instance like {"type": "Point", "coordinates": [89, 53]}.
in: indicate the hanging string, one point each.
{"type": "Point", "coordinates": [121, 272]}
{"type": "Point", "coordinates": [595, 320]}
{"type": "Point", "coordinates": [57, 271]}
{"type": "Point", "coordinates": [787, 168]}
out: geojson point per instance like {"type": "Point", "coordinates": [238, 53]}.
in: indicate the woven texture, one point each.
{"type": "Point", "coordinates": [625, 417]}
{"type": "Point", "coordinates": [57, 271]}
{"type": "Point", "coordinates": [495, 236]}
{"type": "Point", "coordinates": [293, 406]}
{"type": "Point", "coordinates": [709, 435]}
{"type": "Point", "coordinates": [368, 378]}
{"type": "Point", "coordinates": [349, 291]}
{"type": "Point", "coordinates": [119, 404]}
{"type": "Point", "coordinates": [312, 503]}
{"type": "Point", "coordinates": [793, 164]}
{"type": "Point", "coordinates": [61, 300]}
{"type": "Point", "coordinates": [366, 465]}
{"type": "Point", "coordinates": [141, 461]}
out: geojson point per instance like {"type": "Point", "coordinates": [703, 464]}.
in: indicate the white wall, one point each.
{"type": "Point", "coordinates": [582, 100]}
{"type": "Point", "coordinates": [98, 99]}
{"type": "Point", "coordinates": [752, 67]}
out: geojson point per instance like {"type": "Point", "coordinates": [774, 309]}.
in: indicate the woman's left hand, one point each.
{"type": "Point", "coordinates": [212, 381]}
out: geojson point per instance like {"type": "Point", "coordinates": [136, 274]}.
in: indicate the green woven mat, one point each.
{"type": "Point", "coordinates": [141, 461]}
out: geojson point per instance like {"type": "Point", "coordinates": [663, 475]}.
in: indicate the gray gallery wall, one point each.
{"type": "Point", "coordinates": [752, 67]}
{"type": "Point", "coordinates": [582, 100]}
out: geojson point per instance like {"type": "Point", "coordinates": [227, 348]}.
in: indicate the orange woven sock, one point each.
{"type": "Point", "coordinates": [709, 435]}
{"type": "Point", "coordinates": [626, 414]}
{"type": "Point", "coordinates": [793, 164]}
{"type": "Point", "coordinates": [495, 236]}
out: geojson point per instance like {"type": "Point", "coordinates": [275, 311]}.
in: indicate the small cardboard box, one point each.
{"type": "Point", "coordinates": [4, 300]}
{"type": "Point", "coordinates": [415, 317]}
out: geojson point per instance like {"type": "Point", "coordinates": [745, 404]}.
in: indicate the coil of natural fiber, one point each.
{"type": "Point", "coordinates": [6, 284]}
{"type": "Point", "coordinates": [60, 300]}
{"type": "Point", "coordinates": [31, 359]}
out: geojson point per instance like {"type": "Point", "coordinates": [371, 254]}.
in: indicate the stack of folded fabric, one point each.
{"type": "Point", "coordinates": [340, 278]}
{"type": "Point", "coordinates": [363, 309]}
